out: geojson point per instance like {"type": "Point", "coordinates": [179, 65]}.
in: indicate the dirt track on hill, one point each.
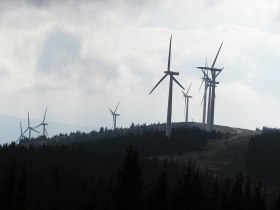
{"type": "Point", "coordinates": [224, 156]}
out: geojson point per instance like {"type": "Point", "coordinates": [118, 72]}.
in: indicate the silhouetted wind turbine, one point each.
{"type": "Point", "coordinates": [29, 128]}
{"type": "Point", "coordinates": [172, 78]}
{"type": "Point", "coordinates": [115, 115]}
{"type": "Point", "coordinates": [214, 74]}
{"type": "Point", "coordinates": [187, 97]}
{"type": "Point", "coordinates": [43, 123]}
{"type": "Point", "coordinates": [21, 133]}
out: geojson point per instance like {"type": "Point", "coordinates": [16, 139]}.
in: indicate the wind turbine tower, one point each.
{"type": "Point", "coordinates": [214, 74]}
{"type": "Point", "coordinates": [187, 97]}
{"type": "Point", "coordinates": [115, 115]}
{"type": "Point", "coordinates": [29, 128]}
{"type": "Point", "coordinates": [43, 123]}
{"type": "Point", "coordinates": [206, 81]}
{"type": "Point", "coordinates": [172, 78]}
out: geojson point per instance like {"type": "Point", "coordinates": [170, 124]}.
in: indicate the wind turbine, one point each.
{"type": "Point", "coordinates": [187, 97]}
{"type": "Point", "coordinates": [115, 115]}
{"type": "Point", "coordinates": [29, 128]}
{"type": "Point", "coordinates": [21, 133]}
{"type": "Point", "coordinates": [43, 123]}
{"type": "Point", "coordinates": [172, 78]}
{"type": "Point", "coordinates": [214, 74]}
{"type": "Point", "coordinates": [206, 80]}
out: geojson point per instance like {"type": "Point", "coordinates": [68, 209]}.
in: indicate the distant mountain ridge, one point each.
{"type": "Point", "coordinates": [10, 128]}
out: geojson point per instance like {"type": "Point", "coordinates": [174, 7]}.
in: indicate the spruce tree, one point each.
{"type": "Point", "coordinates": [159, 195]}
{"type": "Point", "coordinates": [130, 187]}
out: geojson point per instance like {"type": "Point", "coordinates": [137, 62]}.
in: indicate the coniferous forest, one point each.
{"type": "Point", "coordinates": [263, 157]}
{"type": "Point", "coordinates": [123, 172]}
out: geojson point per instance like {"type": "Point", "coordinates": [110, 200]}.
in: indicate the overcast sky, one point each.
{"type": "Point", "coordinates": [81, 57]}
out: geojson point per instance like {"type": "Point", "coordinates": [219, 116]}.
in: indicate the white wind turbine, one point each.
{"type": "Point", "coordinates": [43, 123]}
{"type": "Point", "coordinates": [214, 74]}
{"type": "Point", "coordinates": [187, 97]}
{"type": "Point", "coordinates": [115, 115]}
{"type": "Point", "coordinates": [172, 78]}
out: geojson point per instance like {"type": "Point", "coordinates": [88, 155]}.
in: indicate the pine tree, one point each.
{"type": "Point", "coordinates": [237, 192]}
{"type": "Point", "coordinates": [159, 195]}
{"type": "Point", "coordinates": [8, 187]}
{"type": "Point", "coordinates": [130, 187]}
{"type": "Point", "coordinates": [258, 199]}
{"type": "Point", "coordinates": [21, 197]}
{"type": "Point", "coordinates": [277, 203]}
{"type": "Point", "coordinates": [247, 193]}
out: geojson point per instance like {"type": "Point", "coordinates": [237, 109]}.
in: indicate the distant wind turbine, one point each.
{"type": "Point", "coordinates": [22, 136]}
{"type": "Point", "coordinates": [115, 115]}
{"type": "Point", "coordinates": [172, 78]}
{"type": "Point", "coordinates": [29, 128]}
{"type": "Point", "coordinates": [43, 123]}
{"type": "Point", "coordinates": [187, 97]}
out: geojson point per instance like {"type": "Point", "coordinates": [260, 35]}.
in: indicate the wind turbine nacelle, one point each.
{"type": "Point", "coordinates": [210, 69]}
{"type": "Point", "coordinates": [171, 72]}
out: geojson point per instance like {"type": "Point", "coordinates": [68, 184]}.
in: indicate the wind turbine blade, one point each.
{"type": "Point", "coordinates": [45, 115]}
{"type": "Point", "coordinates": [116, 107]}
{"type": "Point", "coordinates": [201, 83]}
{"type": "Point", "coordinates": [169, 54]}
{"type": "Point", "coordinates": [205, 75]}
{"type": "Point", "coordinates": [24, 131]}
{"type": "Point", "coordinates": [38, 125]}
{"type": "Point", "coordinates": [206, 62]}
{"type": "Point", "coordinates": [189, 89]}
{"type": "Point", "coordinates": [158, 83]}
{"type": "Point", "coordinates": [183, 93]}
{"type": "Point", "coordinates": [19, 138]}
{"type": "Point", "coordinates": [202, 100]}
{"type": "Point", "coordinates": [46, 132]}
{"type": "Point", "coordinates": [178, 82]}
{"type": "Point", "coordinates": [34, 130]}
{"type": "Point", "coordinates": [217, 55]}
{"type": "Point", "coordinates": [111, 111]}
{"type": "Point", "coordinates": [220, 71]}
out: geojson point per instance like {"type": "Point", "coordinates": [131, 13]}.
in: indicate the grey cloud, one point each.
{"type": "Point", "coordinates": [46, 3]}
{"type": "Point", "coordinates": [60, 49]}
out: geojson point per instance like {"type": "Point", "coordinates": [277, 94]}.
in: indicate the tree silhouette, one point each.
{"type": "Point", "coordinates": [160, 195]}
{"type": "Point", "coordinates": [130, 186]}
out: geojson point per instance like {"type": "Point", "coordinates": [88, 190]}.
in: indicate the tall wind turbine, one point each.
{"type": "Point", "coordinates": [172, 78]}
{"type": "Point", "coordinates": [214, 74]}
{"type": "Point", "coordinates": [187, 97]}
{"type": "Point", "coordinates": [43, 123]}
{"type": "Point", "coordinates": [115, 115]}
{"type": "Point", "coordinates": [29, 128]}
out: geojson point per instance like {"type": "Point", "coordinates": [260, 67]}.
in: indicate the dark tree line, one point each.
{"type": "Point", "coordinates": [263, 157]}
{"type": "Point", "coordinates": [72, 177]}
{"type": "Point", "coordinates": [150, 142]}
